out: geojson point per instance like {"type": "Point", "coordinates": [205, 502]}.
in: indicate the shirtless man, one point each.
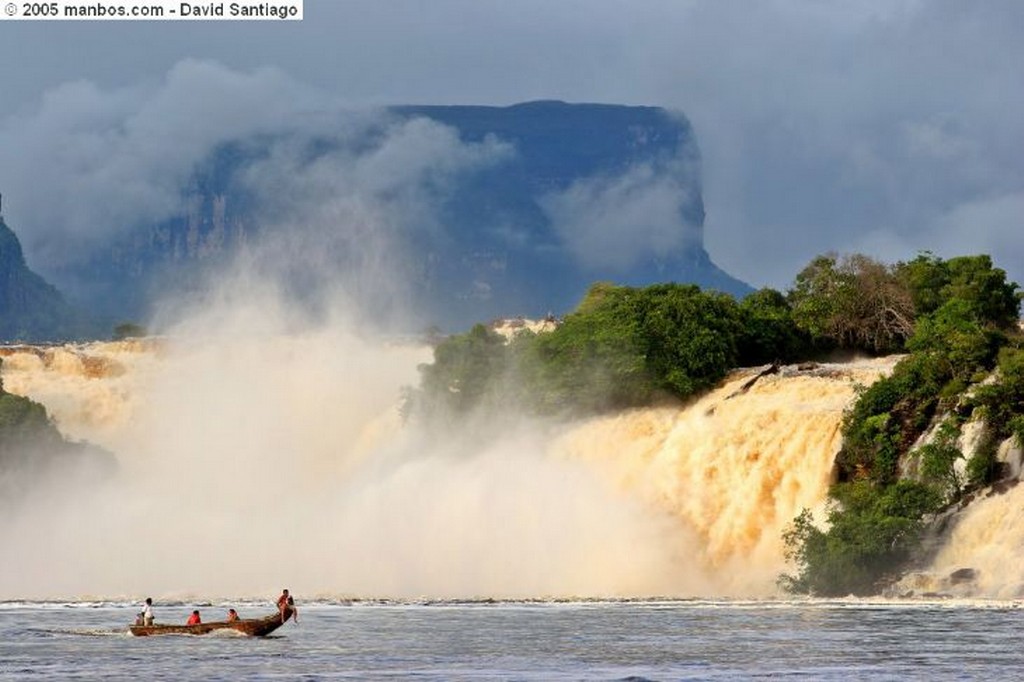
{"type": "Point", "coordinates": [285, 602]}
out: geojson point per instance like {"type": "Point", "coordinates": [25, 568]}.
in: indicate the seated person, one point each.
{"type": "Point", "coordinates": [295, 611]}
{"type": "Point", "coordinates": [194, 618]}
{"type": "Point", "coordinates": [232, 615]}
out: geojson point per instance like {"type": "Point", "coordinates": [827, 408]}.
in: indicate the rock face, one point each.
{"type": "Point", "coordinates": [30, 308]}
{"type": "Point", "coordinates": [574, 194]}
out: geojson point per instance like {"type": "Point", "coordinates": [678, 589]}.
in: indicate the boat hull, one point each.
{"type": "Point", "coordinates": [253, 627]}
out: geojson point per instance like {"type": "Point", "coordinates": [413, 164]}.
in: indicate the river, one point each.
{"type": "Point", "coordinates": [589, 640]}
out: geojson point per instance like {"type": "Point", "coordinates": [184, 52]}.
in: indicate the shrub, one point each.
{"type": "Point", "coordinates": [938, 460]}
{"type": "Point", "coordinates": [872, 532]}
{"type": "Point", "coordinates": [888, 417]}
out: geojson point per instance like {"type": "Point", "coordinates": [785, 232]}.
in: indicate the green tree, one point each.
{"type": "Point", "coordinates": [973, 280]}
{"type": "Point", "coordinates": [689, 337]}
{"type": "Point", "coordinates": [593, 361]}
{"type": "Point", "coordinates": [128, 330]}
{"type": "Point", "coordinates": [466, 372]}
{"type": "Point", "coordinates": [856, 303]}
{"type": "Point", "coordinates": [994, 300]}
{"type": "Point", "coordinates": [872, 531]}
{"type": "Point", "coordinates": [954, 334]}
{"type": "Point", "coordinates": [767, 330]}
{"type": "Point", "coordinates": [624, 347]}
{"type": "Point", "coordinates": [965, 317]}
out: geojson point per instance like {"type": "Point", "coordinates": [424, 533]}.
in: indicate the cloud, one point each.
{"type": "Point", "coordinates": [352, 220]}
{"type": "Point", "coordinates": [611, 223]}
{"type": "Point", "coordinates": [819, 122]}
{"type": "Point", "coordinates": [90, 163]}
{"type": "Point", "coordinates": [341, 196]}
{"type": "Point", "coordinates": [830, 127]}
{"type": "Point", "coordinates": [990, 225]}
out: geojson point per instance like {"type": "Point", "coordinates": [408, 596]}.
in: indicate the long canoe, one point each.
{"type": "Point", "coordinates": [254, 627]}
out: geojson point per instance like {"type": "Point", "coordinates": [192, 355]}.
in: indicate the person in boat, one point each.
{"type": "Point", "coordinates": [232, 615]}
{"type": "Point", "coordinates": [146, 616]}
{"type": "Point", "coordinates": [194, 619]}
{"type": "Point", "coordinates": [283, 603]}
{"type": "Point", "coordinates": [295, 611]}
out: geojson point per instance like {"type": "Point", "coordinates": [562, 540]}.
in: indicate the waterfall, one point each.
{"type": "Point", "coordinates": [247, 463]}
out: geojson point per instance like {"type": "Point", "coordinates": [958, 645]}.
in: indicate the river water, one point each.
{"type": "Point", "coordinates": [632, 640]}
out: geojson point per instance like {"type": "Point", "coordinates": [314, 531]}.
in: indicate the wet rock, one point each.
{"type": "Point", "coordinates": [963, 575]}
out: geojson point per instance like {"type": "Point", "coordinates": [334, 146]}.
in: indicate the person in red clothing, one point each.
{"type": "Point", "coordinates": [194, 618]}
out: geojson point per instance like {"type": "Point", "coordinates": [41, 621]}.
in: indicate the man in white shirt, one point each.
{"type": "Point", "coordinates": [147, 612]}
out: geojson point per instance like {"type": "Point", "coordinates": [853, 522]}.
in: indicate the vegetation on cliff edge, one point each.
{"type": "Point", "coordinates": [624, 347]}
{"type": "Point", "coordinates": [964, 352]}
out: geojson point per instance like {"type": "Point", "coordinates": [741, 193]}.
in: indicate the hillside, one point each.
{"type": "Point", "coordinates": [31, 309]}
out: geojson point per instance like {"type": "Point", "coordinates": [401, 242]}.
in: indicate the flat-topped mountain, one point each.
{"type": "Point", "coordinates": [468, 212]}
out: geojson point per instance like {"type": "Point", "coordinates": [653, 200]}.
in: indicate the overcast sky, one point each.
{"type": "Point", "coordinates": [886, 127]}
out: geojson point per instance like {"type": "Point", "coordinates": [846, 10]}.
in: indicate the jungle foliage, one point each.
{"type": "Point", "coordinates": [622, 347]}
{"type": "Point", "coordinates": [965, 326]}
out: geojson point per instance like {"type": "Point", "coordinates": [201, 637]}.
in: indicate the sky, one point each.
{"type": "Point", "coordinates": [884, 127]}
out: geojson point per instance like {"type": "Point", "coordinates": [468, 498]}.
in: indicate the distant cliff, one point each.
{"type": "Point", "coordinates": [31, 309]}
{"type": "Point", "coordinates": [579, 193]}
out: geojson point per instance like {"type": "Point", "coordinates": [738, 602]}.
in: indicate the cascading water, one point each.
{"type": "Point", "coordinates": [735, 467]}
{"type": "Point", "coordinates": [248, 463]}
{"type": "Point", "coordinates": [982, 556]}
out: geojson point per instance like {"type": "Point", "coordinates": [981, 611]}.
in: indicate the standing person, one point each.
{"type": "Point", "coordinates": [282, 604]}
{"type": "Point", "coordinates": [194, 619]}
{"type": "Point", "coordinates": [147, 612]}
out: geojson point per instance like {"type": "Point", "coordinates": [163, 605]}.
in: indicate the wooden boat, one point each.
{"type": "Point", "coordinates": [254, 627]}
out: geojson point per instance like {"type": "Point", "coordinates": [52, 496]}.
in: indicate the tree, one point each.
{"type": "Point", "coordinates": [993, 300]}
{"type": "Point", "coordinates": [872, 532]}
{"type": "Point", "coordinates": [856, 303]}
{"type": "Point", "coordinates": [955, 334]}
{"type": "Point", "coordinates": [972, 279]}
{"type": "Point", "coordinates": [623, 347]}
{"type": "Point", "coordinates": [767, 331]}
{"type": "Point", "coordinates": [128, 330]}
{"type": "Point", "coordinates": [466, 371]}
